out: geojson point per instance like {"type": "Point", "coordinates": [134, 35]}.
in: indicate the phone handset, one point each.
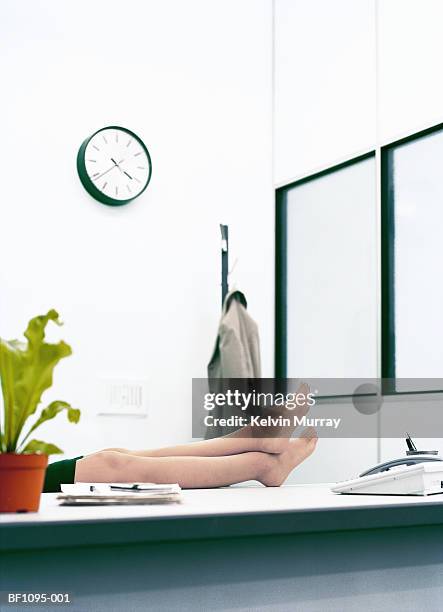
{"type": "Point", "coordinates": [413, 456]}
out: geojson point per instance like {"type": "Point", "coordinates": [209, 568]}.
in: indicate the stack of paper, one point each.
{"type": "Point", "coordinates": [118, 493]}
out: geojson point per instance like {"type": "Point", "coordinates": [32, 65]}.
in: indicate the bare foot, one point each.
{"type": "Point", "coordinates": [275, 438]}
{"type": "Point", "coordinates": [278, 434]}
{"type": "Point", "coordinates": [279, 466]}
{"type": "Point", "coordinates": [274, 445]}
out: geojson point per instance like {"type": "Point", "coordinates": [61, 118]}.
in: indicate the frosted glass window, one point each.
{"type": "Point", "coordinates": [331, 280]}
{"type": "Point", "coordinates": [417, 198]}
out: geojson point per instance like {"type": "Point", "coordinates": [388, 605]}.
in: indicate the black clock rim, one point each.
{"type": "Point", "coordinates": [89, 185]}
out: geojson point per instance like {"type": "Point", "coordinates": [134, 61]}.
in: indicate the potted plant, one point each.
{"type": "Point", "coordinates": [26, 370]}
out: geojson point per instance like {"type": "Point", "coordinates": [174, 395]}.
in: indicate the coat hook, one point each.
{"type": "Point", "coordinates": [224, 235]}
{"type": "Point", "coordinates": [224, 260]}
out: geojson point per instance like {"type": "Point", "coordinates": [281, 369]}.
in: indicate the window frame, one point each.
{"type": "Point", "coordinates": [386, 203]}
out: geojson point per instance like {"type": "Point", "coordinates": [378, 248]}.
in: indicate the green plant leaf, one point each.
{"type": "Point", "coordinates": [26, 371]}
{"type": "Point", "coordinates": [52, 411]}
{"type": "Point", "coordinates": [12, 363]}
{"type": "Point", "coordinates": [36, 376]}
{"type": "Point", "coordinates": [37, 446]}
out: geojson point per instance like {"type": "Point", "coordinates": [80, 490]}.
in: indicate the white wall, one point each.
{"type": "Point", "coordinates": [325, 83]}
{"type": "Point", "coordinates": [138, 286]}
{"type": "Point", "coordinates": [410, 51]}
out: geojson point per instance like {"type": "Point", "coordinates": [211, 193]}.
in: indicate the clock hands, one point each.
{"type": "Point", "coordinates": [103, 173]}
{"type": "Point", "coordinates": [116, 165]}
{"type": "Point", "coordinates": [121, 169]}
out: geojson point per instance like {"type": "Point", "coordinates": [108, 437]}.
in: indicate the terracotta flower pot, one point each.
{"type": "Point", "coordinates": [21, 481]}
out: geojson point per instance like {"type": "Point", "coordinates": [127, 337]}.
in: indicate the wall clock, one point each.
{"type": "Point", "coordinates": [114, 165]}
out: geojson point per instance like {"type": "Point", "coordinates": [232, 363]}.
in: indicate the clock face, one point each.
{"type": "Point", "coordinates": [114, 165]}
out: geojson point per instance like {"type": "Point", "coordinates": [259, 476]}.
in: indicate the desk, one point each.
{"type": "Point", "coordinates": [290, 548]}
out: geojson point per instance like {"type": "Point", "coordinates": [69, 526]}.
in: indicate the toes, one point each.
{"type": "Point", "coordinates": [309, 439]}
{"type": "Point", "coordinates": [312, 444]}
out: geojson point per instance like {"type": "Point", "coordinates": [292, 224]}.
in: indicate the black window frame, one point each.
{"type": "Point", "coordinates": [388, 331]}
{"type": "Point", "coordinates": [387, 259]}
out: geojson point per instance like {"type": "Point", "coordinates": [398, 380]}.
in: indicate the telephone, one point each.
{"type": "Point", "coordinates": [419, 473]}
{"type": "Point", "coordinates": [413, 456]}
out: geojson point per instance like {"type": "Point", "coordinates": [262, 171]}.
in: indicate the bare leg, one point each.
{"type": "Point", "coordinates": [241, 441]}
{"type": "Point", "coordinates": [272, 439]}
{"type": "Point", "coordinates": [196, 472]}
{"type": "Point", "coordinates": [189, 472]}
